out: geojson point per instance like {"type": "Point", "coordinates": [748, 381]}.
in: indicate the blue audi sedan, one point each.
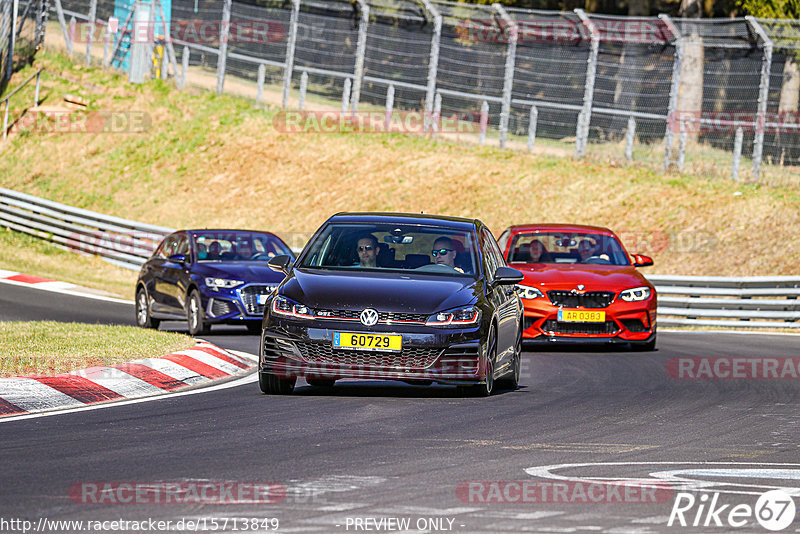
{"type": "Point", "coordinates": [207, 277]}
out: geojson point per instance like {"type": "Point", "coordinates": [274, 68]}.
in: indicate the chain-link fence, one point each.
{"type": "Point", "coordinates": [709, 95]}
{"type": "Point", "coordinates": [22, 27]}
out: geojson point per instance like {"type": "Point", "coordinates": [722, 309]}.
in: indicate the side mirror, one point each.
{"type": "Point", "coordinates": [178, 258]}
{"type": "Point", "coordinates": [280, 264]}
{"type": "Point", "coordinates": [640, 260]}
{"type": "Point", "coordinates": [506, 276]}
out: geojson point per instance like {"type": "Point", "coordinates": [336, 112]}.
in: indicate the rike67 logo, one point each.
{"type": "Point", "coordinates": [774, 510]}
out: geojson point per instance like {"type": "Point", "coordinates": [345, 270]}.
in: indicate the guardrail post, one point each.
{"type": "Point", "coordinates": [303, 89]}
{"type": "Point", "coordinates": [12, 40]}
{"type": "Point", "coordinates": [389, 106]}
{"type": "Point", "coordinates": [346, 95]}
{"type": "Point", "coordinates": [73, 24]}
{"type": "Point", "coordinates": [90, 35]}
{"type": "Point", "coordinates": [763, 94]}
{"type": "Point", "coordinates": [484, 121]}
{"type": "Point", "coordinates": [36, 94]}
{"type": "Point", "coordinates": [511, 31]}
{"type": "Point", "coordinates": [674, 88]}
{"type": "Point", "coordinates": [437, 112]}
{"type": "Point", "coordinates": [629, 138]}
{"type": "Point", "coordinates": [682, 146]}
{"type": "Point", "coordinates": [290, 48]}
{"type": "Point", "coordinates": [222, 55]}
{"type": "Point", "coordinates": [262, 72]}
{"type": "Point", "coordinates": [433, 63]}
{"type": "Point", "coordinates": [532, 121]}
{"type": "Point", "coordinates": [361, 52]}
{"type": "Point", "coordinates": [5, 120]}
{"type": "Point", "coordinates": [64, 29]}
{"type": "Point", "coordinates": [184, 66]}
{"type": "Point", "coordinates": [737, 154]}
{"type": "Point", "coordinates": [107, 46]}
{"type": "Point", "coordinates": [585, 116]}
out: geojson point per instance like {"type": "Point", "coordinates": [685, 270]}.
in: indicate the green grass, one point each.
{"type": "Point", "coordinates": [46, 347]}
{"type": "Point", "coordinates": [32, 255]}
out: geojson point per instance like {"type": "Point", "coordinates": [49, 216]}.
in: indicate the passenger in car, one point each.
{"type": "Point", "coordinates": [214, 250]}
{"type": "Point", "coordinates": [444, 253]}
{"type": "Point", "coordinates": [586, 249]}
{"type": "Point", "coordinates": [367, 250]}
{"type": "Point", "coordinates": [538, 252]}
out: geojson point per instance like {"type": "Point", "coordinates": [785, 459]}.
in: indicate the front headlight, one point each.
{"type": "Point", "coordinates": [528, 292]}
{"type": "Point", "coordinates": [222, 283]}
{"type": "Point", "coordinates": [458, 317]}
{"type": "Point", "coordinates": [289, 308]}
{"type": "Point", "coordinates": [635, 294]}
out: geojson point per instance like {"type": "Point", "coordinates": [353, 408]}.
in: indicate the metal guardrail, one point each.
{"type": "Point", "coordinates": [118, 241]}
{"type": "Point", "coordinates": [739, 302]}
{"type": "Point", "coordinates": [744, 302]}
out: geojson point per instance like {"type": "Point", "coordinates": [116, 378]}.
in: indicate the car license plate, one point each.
{"type": "Point", "coordinates": [581, 316]}
{"type": "Point", "coordinates": [353, 340]}
{"type": "Point", "coordinates": [262, 299]}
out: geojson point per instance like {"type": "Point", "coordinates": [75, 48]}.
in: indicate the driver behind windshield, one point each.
{"type": "Point", "coordinates": [367, 249]}
{"type": "Point", "coordinates": [444, 253]}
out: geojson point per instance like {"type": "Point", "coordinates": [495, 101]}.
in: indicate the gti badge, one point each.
{"type": "Point", "coordinates": [369, 317]}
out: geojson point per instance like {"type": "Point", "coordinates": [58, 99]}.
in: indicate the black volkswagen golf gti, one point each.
{"type": "Point", "coordinates": [417, 298]}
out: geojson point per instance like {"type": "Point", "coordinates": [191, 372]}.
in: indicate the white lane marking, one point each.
{"type": "Point", "coordinates": [520, 515]}
{"type": "Point", "coordinates": [425, 510]}
{"type": "Point", "coordinates": [31, 395]}
{"type": "Point", "coordinates": [7, 274]}
{"type": "Point", "coordinates": [213, 361]}
{"type": "Point", "coordinates": [71, 292]}
{"type": "Point", "coordinates": [173, 370]}
{"type": "Point", "coordinates": [225, 352]}
{"type": "Point", "coordinates": [741, 332]}
{"type": "Point", "coordinates": [676, 483]}
{"type": "Point", "coordinates": [233, 383]}
{"type": "Point", "coordinates": [341, 507]}
{"type": "Point", "coordinates": [118, 381]}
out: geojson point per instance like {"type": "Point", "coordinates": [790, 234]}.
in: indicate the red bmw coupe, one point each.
{"type": "Point", "coordinates": [581, 285]}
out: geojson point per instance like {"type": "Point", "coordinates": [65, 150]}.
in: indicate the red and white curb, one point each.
{"type": "Point", "coordinates": [141, 378]}
{"type": "Point", "coordinates": [46, 284]}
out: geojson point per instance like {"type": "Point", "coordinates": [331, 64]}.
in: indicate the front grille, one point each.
{"type": "Point", "coordinates": [249, 295]}
{"type": "Point", "coordinates": [383, 317]}
{"type": "Point", "coordinates": [558, 327]}
{"type": "Point", "coordinates": [275, 348]}
{"type": "Point", "coordinates": [633, 325]}
{"type": "Point", "coordinates": [590, 299]}
{"type": "Point", "coordinates": [408, 358]}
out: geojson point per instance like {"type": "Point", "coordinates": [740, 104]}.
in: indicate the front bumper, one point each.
{"type": "Point", "coordinates": [236, 306]}
{"type": "Point", "coordinates": [625, 322]}
{"type": "Point", "coordinates": [447, 357]}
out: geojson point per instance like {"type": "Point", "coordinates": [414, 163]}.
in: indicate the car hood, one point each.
{"type": "Point", "coordinates": [249, 271]}
{"type": "Point", "coordinates": [391, 292]}
{"type": "Point", "coordinates": [592, 277]}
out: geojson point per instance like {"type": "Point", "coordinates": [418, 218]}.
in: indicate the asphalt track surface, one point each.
{"type": "Point", "coordinates": [368, 450]}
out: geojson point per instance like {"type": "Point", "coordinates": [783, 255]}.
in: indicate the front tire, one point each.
{"type": "Point", "coordinates": [272, 385]}
{"type": "Point", "coordinates": [194, 315]}
{"type": "Point", "coordinates": [645, 347]}
{"type": "Point", "coordinates": [511, 380]}
{"type": "Point", "coordinates": [487, 388]}
{"type": "Point", "coordinates": [254, 327]}
{"type": "Point", "coordinates": [143, 317]}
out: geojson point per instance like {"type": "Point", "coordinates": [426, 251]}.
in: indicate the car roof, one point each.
{"type": "Point", "coordinates": [192, 230]}
{"type": "Point", "coordinates": [569, 228]}
{"type": "Point", "coordinates": [405, 218]}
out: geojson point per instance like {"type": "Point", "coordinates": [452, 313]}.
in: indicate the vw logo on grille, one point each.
{"type": "Point", "coordinates": [369, 317]}
{"type": "Point", "coordinates": [580, 287]}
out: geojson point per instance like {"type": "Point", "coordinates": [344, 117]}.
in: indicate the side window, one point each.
{"type": "Point", "coordinates": [183, 246]}
{"type": "Point", "coordinates": [502, 242]}
{"type": "Point", "coordinates": [501, 261]}
{"type": "Point", "coordinates": [167, 246]}
{"type": "Point", "coordinates": [488, 252]}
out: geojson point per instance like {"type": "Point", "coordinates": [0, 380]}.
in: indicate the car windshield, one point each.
{"type": "Point", "coordinates": [561, 247]}
{"type": "Point", "coordinates": [428, 249]}
{"type": "Point", "coordinates": [237, 246]}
